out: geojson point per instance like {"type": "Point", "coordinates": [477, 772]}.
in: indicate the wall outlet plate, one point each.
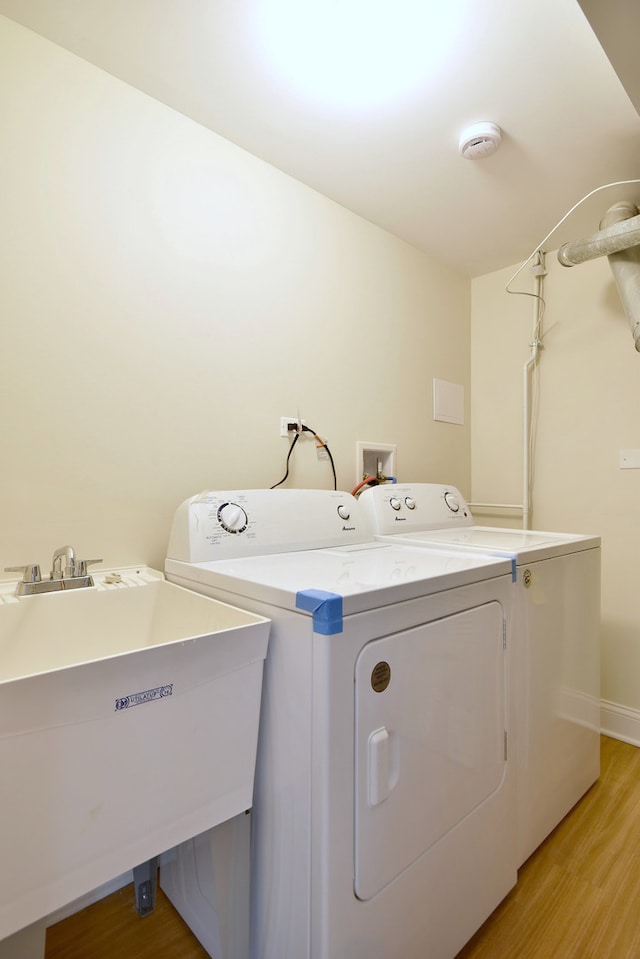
{"type": "Point", "coordinates": [284, 422]}
{"type": "Point", "coordinates": [629, 460]}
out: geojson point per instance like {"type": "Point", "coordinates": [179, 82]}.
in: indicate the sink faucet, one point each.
{"type": "Point", "coordinates": [60, 571]}
{"type": "Point", "coordinates": [66, 573]}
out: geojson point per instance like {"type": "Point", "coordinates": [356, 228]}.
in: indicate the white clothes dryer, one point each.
{"type": "Point", "coordinates": [383, 821]}
{"type": "Point", "coordinates": [557, 680]}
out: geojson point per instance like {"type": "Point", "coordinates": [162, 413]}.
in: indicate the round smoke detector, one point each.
{"type": "Point", "coordinates": [479, 140]}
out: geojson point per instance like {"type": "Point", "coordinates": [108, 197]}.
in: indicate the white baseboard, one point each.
{"type": "Point", "coordinates": [620, 722]}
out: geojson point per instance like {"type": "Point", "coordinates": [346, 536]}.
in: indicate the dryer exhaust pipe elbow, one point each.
{"type": "Point", "coordinates": [619, 230]}
{"type": "Point", "coordinates": [619, 240]}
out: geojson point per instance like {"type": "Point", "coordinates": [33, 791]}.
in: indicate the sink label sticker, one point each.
{"type": "Point", "coordinates": [137, 699]}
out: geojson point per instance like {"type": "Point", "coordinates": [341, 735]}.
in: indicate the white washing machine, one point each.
{"type": "Point", "coordinates": [383, 821]}
{"type": "Point", "coordinates": [557, 681]}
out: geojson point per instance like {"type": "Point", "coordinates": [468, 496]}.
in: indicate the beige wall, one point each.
{"type": "Point", "coordinates": [589, 404]}
{"type": "Point", "coordinates": [166, 297]}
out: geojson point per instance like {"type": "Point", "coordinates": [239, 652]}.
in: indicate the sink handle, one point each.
{"type": "Point", "coordinates": [30, 572]}
{"type": "Point", "coordinates": [81, 565]}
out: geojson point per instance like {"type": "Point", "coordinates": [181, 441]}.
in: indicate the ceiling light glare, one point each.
{"type": "Point", "coordinates": [355, 53]}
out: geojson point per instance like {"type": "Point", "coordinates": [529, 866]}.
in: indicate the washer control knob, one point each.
{"type": "Point", "coordinates": [343, 512]}
{"type": "Point", "coordinates": [409, 502]}
{"type": "Point", "coordinates": [232, 518]}
{"type": "Point", "coordinates": [452, 502]}
{"type": "Point", "coordinates": [395, 503]}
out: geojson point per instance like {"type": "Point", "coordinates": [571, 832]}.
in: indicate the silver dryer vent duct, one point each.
{"type": "Point", "coordinates": [619, 240]}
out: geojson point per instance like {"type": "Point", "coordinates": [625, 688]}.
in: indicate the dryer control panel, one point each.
{"type": "Point", "coordinates": [233, 523]}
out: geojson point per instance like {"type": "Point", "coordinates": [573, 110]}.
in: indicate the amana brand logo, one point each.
{"type": "Point", "coordinates": [348, 529]}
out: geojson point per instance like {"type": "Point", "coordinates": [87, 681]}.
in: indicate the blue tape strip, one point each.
{"type": "Point", "coordinates": [514, 574]}
{"type": "Point", "coordinates": [325, 607]}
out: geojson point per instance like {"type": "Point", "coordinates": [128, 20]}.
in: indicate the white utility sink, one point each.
{"type": "Point", "coordinates": [128, 723]}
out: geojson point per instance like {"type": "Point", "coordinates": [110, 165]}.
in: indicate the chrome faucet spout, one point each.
{"type": "Point", "coordinates": [67, 573]}
{"type": "Point", "coordinates": [60, 570]}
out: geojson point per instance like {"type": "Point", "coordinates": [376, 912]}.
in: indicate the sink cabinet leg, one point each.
{"type": "Point", "coordinates": [145, 880]}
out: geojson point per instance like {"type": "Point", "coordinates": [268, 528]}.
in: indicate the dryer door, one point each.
{"type": "Point", "coordinates": [430, 723]}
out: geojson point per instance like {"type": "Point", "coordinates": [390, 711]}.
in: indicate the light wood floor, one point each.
{"type": "Point", "coordinates": [577, 897]}
{"type": "Point", "coordinates": [112, 927]}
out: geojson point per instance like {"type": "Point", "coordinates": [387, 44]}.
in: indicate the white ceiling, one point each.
{"type": "Point", "coordinates": [534, 68]}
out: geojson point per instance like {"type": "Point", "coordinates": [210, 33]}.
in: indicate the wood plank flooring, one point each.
{"type": "Point", "coordinates": [577, 897]}
{"type": "Point", "coordinates": [112, 927]}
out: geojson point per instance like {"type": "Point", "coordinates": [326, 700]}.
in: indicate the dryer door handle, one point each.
{"type": "Point", "coordinates": [382, 774]}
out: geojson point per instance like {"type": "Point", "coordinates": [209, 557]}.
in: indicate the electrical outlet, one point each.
{"type": "Point", "coordinates": [284, 423]}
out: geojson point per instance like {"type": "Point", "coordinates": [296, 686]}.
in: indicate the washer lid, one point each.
{"type": "Point", "coordinates": [526, 546]}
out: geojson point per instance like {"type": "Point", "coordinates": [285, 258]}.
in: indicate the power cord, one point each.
{"type": "Point", "coordinates": [301, 428]}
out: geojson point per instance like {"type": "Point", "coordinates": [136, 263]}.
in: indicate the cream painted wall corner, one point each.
{"type": "Point", "coordinates": [589, 396]}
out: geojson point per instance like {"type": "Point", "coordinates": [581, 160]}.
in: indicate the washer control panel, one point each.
{"type": "Point", "coordinates": [414, 507]}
